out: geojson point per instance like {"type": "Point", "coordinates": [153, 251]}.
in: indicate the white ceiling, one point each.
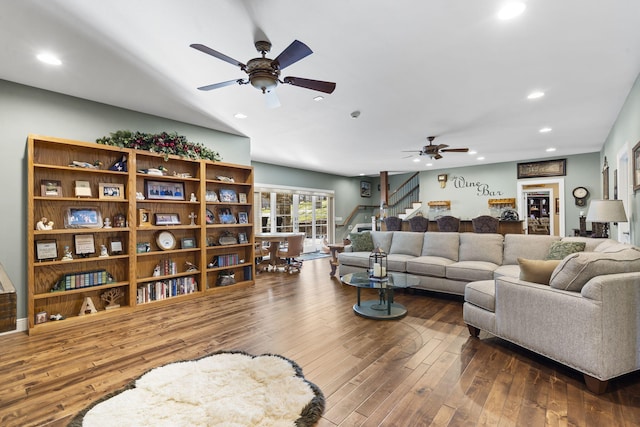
{"type": "Point", "coordinates": [413, 68]}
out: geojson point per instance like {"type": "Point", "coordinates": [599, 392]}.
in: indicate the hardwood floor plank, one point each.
{"type": "Point", "coordinates": [421, 370]}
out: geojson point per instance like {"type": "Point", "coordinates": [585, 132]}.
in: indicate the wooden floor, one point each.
{"type": "Point", "coordinates": [422, 370]}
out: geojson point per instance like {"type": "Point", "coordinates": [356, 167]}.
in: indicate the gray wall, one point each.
{"type": "Point", "coordinates": [25, 110]}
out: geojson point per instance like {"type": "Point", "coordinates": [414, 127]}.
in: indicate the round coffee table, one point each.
{"type": "Point", "coordinates": [384, 308]}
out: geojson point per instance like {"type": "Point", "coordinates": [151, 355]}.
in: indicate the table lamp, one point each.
{"type": "Point", "coordinates": [606, 211]}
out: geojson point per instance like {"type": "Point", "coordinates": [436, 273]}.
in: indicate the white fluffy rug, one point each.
{"type": "Point", "coordinates": [225, 389]}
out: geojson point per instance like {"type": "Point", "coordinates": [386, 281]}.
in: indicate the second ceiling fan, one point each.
{"type": "Point", "coordinates": [264, 73]}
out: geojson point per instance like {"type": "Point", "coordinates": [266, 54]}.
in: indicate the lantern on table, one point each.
{"type": "Point", "coordinates": [378, 264]}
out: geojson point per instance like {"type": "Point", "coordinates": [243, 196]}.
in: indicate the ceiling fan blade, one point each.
{"type": "Point", "coordinates": [437, 156]}
{"type": "Point", "coordinates": [272, 99]}
{"type": "Point", "coordinates": [441, 146]}
{"type": "Point", "coordinates": [221, 84]}
{"type": "Point", "coordinates": [216, 54]}
{"type": "Point", "coordinates": [320, 86]}
{"type": "Point", "coordinates": [292, 54]}
{"type": "Point", "coordinates": [456, 150]}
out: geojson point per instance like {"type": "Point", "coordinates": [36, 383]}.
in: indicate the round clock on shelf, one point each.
{"type": "Point", "coordinates": [166, 240]}
{"type": "Point", "coordinates": [580, 195]}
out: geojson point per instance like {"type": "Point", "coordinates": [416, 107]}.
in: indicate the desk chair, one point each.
{"type": "Point", "coordinates": [261, 252]}
{"type": "Point", "coordinates": [294, 248]}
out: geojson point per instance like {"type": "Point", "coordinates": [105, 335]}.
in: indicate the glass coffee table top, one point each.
{"type": "Point", "coordinates": [384, 307]}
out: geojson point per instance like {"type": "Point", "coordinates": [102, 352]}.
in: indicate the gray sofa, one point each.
{"type": "Point", "coordinates": [587, 315]}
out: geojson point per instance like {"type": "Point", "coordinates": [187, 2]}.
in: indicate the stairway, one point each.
{"type": "Point", "coordinates": [409, 212]}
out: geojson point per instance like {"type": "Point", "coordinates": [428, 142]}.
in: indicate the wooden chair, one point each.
{"type": "Point", "coordinates": [448, 223]}
{"type": "Point", "coordinates": [294, 248]}
{"type": "Point", "coordinates": [485, 224]}
{"type": "Point", "coordinates": [418, 223]}
{"type": "Point", "coordinates": [260, 253]}
{"type": "Point", "coordinates": [393, 223]}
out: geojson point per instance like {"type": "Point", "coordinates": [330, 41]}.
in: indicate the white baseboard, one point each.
{"type": "Point", "coordinates": [21, 326]}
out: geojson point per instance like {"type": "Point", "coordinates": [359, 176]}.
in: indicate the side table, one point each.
{"type": "Point", "coordinates": [335, 249]}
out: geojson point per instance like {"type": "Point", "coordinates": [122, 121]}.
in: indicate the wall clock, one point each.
{"type": "Point", "coordinates": [166, 240]}
{"type": "Point", "coordinates": [580, 195]}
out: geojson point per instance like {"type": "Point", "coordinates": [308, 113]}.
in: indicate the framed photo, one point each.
{"type": "Point", "coordinates": [365, 189]}
{"type": "Point", "coordinates": [83, 218]}
{"type": "Point", "coordinates": [84, 244]}
{"type": "Point", "coordinates": [164, 190]}
{"type": "Point", "coordinates": [119, 221]}
{"type": "Point", "coordinates": [542, 169]}
{"type": "Point", "coordinates": [83, 189]}
{"type": "Point", "coordinates": [188, 243]}
{"type": "Point", "coordinates": [636, 167]}
{"type": "Point", "coordinates": [41, 317]}
{"type": "Point", "coordinates": [110, 191]}
{"type": "Point", "coordinates": [210, 218]}
{"type": "Point", "coordinates": [243, 218]}
{"type": "Point", "coordinates": [242, 197]}
{"type": "Point", "coordinates": [143, 247]}
{"type": "Point", "coordinates": [242, 237]}
{"type": "Point", "coordinates": [211, 196]}
{"type": "Point", "coordinates": [50, 188]}
{"type": "Point", "coordinates": [225, 216]}
{"type": "Point", "coordinates": [116, 246]}
{"type": "Point", "coordinates": [228, 195]}
{"type": "Point", "coordinates": [46, 250]}
{"type": "Point", "coordinates": [167, 219]}
{"type": "Point", "coordinates": [144, 218]}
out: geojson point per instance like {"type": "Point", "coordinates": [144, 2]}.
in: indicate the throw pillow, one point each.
{"type": "Point", "coordinates": [537, 270]}
{"type": "Point", "coordinates": [361, 242]}
{"type": "Point", "coordinates": [560, 250]}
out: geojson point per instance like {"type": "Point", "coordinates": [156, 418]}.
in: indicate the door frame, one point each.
{"type": "Point", "coordinates": [522, 211]}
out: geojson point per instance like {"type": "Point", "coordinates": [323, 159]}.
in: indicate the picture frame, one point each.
{"type": "Point", "coordinates": [636, 167]}
{"type": "Point", "coordinates": [143, 247]}
{"type": "Point", "coordinates": [210, 218]}
{"type": "Point", "coordinates": [544, 168]}
{"type": "Point", "coordinates": [228, 195]}
{"type": "Point", "coordinates": [163, 190]}
{"type": "Point", "coordinates": [83, 189]}
{"type": "Point", "coordinates": [188, 243]}
{"type": "Point", "coordinates": [211, 196]}
{"type": "Point", "coordinates": [365, 189]}
{"type": "Point", "coordinates": [242, 197]}
{"type": "Point", "coordinates": [225, 216]}
{"type": "Point", "coordinates": [84, 244]}
{"type": "Point", "coordinates": [50, 188]}
{"type": "Point", "coordinates": [119, 221]}
{"type": "Point", "coordinates": [83, 217]}
{"type": "Point", "coordinates": [167, 219]}
{"type": "Point", "coordinates": [242, 238]}
{"type": "Point", "coordinates": [243, 218]}
{"type": "Point", "coordinates": [107, 190]}
{"type": "Point", "coordinates": [144, 218]}
{"type": "Point", "coordinates": [41, 317]}
{"type": "Point", "coordinates": [116, 245]}
{"type": "Point", "coordinates": [46, 250]}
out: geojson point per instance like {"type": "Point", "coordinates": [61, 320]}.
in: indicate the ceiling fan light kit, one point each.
{"type": "Point", "coordinates": [264, 73]}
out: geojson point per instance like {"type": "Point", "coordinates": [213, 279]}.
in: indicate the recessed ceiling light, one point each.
{"type": "Point", "coordinates": [361, 174]}
{"type": "Point", "coordinates": [472, 152]}
{"type": "Point", "coordinates": [511, 10]}
{"type": "Point", "coordinates": [416, 160]}
{"type": "Point", "coordinates": [480, 158]}
{"type": "Point", "coordinates": [240, 116]}
{"type": "Point", "coordinates": [550, 150]}
{"type": "Point", "coordinates": [545, 130]}
{"type": "Point", "coordinates": [535, 95]}
{"type": "Point", "coordinates": [318, 98]}
{"type": "Point", "coordinates": [49, 58]}
{"type": "Point", "coordinates": [429, 164]}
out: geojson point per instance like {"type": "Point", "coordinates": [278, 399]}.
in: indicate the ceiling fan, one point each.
{"type": "Point", "coordinates": [434, 151]}
{"type": "Point", "coordinates": [264, 73]}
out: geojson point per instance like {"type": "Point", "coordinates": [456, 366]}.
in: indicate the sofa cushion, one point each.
{"type": "Point", "coordinates": [481, 247]}
{"type": "Point", "coordinates": [361, 242]}
{"type": "Point", "coordinates": [445, 245]}
{"type": "Point", "coordinates": [355, 259]}
{"type": "Point", "coordinates": [481, 294]}
{"type": "Point", "coordinates": [470, 271]}
{"type": "Point", "coordinates": [382, 240]}
{"type": "Point", "coordinates": [508, 270]}
{"type": "Point", "coordinates": [590, 243]}
{"type": "Point", "coordinates": [611, 246]}
{"type": "Point", "coordinates": [428, 266]}
{"type": "Point", "coordinates": [398, 262]}
{"type": "Point", "coordinates": [528, 246]}
{"type": "Point", "coordinates": [559, 250]}
{"type": "Point", "coordinates": [407, 243]}
{"type": "Point", "coordinates": [536, 270]}
{"type": "Point", "coordinates": [577, 269]}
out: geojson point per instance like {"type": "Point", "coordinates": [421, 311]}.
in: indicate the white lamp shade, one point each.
{"type": "Point", "coordinates": [606, 211]}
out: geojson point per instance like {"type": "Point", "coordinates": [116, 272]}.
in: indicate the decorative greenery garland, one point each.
{"type": "Point", "coordinates": [164, 143]}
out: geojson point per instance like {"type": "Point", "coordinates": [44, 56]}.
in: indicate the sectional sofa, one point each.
{"type": "Point", "coordinates": [581, 307]}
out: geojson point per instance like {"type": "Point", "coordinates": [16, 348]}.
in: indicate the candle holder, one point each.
{"type": "Point", "coordinates": [378, 265]}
